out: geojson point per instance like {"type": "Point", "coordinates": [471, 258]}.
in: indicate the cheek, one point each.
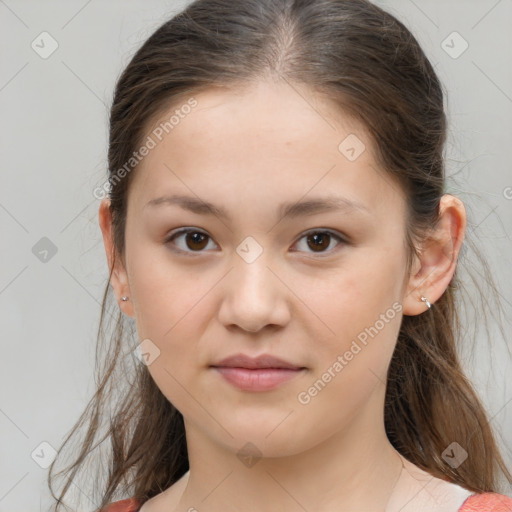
{"type": "Point", "coordinates": [172, 310]}
{"type": "Point", "coordinates": [354, 296]}
{"type": "Point", "coordinates": [360, 305]}
{"type": "Point", "coordinates": [165, 295]}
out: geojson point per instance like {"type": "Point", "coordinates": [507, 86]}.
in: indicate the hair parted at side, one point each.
{"type": "Point", "coordinates": [370, 64]}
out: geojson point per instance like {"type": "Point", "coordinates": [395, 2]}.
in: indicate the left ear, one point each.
{"type": "Point", "coordinates": [433, 269]}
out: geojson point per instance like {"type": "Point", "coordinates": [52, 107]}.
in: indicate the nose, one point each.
{"type": "Point", "coordinates": [255, 296]}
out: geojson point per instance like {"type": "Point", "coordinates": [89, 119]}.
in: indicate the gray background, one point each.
{"type": "Point", "coordinates": [54, 115]}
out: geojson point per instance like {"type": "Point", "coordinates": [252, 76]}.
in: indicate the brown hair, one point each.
{"type": "Point", "coordinates": [370, 64]}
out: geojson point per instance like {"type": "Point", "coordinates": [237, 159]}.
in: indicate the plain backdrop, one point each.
{"type": "Point", "coordinates": [53, 139]}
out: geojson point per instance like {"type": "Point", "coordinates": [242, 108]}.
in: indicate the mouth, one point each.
{"type": "Point", "coordinates": [262, 373]}
{"type": "Point", "coordinates": [264, 361]}
{"type": "Point", "coordinates": [257, 379]}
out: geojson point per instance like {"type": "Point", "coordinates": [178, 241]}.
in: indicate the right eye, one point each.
{"type": "Point", "coordinates": [195, 242]}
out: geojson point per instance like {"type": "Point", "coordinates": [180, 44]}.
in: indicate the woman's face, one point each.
{"type": "Point", "coordinates": [253, 280]}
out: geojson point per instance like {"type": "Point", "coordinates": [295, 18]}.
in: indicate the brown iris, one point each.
{"type": "Point", "coordinates": [197, 240]}
{"type": "Point", "coordinates": [320, 240]}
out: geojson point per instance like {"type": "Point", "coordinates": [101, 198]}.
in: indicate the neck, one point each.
{"type": "Point", "coordinates": [357, 469]}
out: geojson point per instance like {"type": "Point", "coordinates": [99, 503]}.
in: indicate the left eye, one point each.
{"type": "Point", "coordinates": [321, 240]}
{"type": "Point", "coordinates": [197, 240]}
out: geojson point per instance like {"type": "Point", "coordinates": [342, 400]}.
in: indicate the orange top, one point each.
{"type": "Point", "coordinates": [487, 502]}
{"type": "Point", "coordinates": [483, 502]}
{"type": "Point", "coordinates": [129, 505]}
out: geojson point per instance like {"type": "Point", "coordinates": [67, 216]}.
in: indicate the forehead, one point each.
{"type": "Point", "coordinates": [269, 139]}
{"type": "Point", "coordinates": [265, 112]}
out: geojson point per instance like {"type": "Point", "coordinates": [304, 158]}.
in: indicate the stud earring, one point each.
{"type": "Point", "coordinates": [425, 300]}
{"type": "Point", "coordinates": [124, 299]}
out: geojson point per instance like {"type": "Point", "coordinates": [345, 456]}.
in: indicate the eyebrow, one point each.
{"type": "Point", "coordinates": [291, 209]}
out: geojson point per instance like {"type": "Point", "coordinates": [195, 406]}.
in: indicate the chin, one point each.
{"type": "Point", "coordinates": [269, 439]}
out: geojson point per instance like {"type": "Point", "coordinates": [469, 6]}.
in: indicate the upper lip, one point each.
{"type": "Point", "coordinates": [262, 361]}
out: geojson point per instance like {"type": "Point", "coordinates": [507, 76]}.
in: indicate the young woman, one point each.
{"type": "Point", "coordinates": [278, 231]}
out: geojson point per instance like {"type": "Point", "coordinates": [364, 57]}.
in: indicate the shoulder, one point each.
{"type": "Point", "coordinates": [487, 502]}
{"type": "Point", "coordinates": [166, 500]}
{"type": "Point", "coordinates": [128, 505]}
{"type": "Point", "coordinates": [419, 491]}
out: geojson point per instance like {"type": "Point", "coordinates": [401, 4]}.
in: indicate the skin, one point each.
{"type": "Point", "coordinates": [249, 150]}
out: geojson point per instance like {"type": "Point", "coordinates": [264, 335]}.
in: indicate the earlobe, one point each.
{"type": "Point", "coordinates": [118, 279]}
{"type": "Point", "coordinates": [437, 261]}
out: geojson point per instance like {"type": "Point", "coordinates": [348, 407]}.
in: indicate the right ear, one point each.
{"type": "Point", "coordinates": [119, 279]}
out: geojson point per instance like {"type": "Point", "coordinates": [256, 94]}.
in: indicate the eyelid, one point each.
{"type": "Point", "coordinates": [341, 238]}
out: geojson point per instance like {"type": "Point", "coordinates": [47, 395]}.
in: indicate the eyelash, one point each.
{"type": "Point", "coordinates": [180, 232]}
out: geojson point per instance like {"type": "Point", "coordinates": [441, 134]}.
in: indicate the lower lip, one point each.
{"type": "Point", "coordinates": [261, 379]}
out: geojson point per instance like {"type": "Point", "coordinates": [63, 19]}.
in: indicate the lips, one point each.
{"type": "Point", "coordinates": [252, 363]}
{"type": "Point", "coordinates": [262, 373]}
